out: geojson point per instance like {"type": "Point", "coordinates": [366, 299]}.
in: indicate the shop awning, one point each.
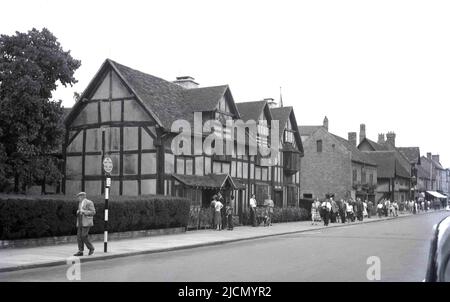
{"type": "Point", "coordinates": [210, 181]}
{"type": "Point", "coordinates": [436, 194]}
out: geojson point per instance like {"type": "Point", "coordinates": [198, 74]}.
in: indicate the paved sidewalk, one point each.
{"type": "Point", "coordinates": [26, 258]}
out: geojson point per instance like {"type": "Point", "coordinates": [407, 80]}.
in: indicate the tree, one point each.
{"type": "Point", "coordinates": [31, 66]}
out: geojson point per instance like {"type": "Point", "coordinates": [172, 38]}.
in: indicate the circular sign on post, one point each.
{"type": "Point", "coordinates": [107, 165]}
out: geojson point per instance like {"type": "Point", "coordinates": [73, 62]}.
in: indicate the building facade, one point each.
{"type": "Point", "coordinates": [129, 115]}
{"type": "Point", "coordinates": [333, 165]}
{"type": "Point", "coordinates": [397, 167]}
{"type": "Point", "coordinates": [434, 176]}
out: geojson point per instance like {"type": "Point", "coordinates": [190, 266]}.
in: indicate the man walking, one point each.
{"type": "Point", "coordinates": [326, 209]}
{"type": "Point", "coordinates": [85, 220]}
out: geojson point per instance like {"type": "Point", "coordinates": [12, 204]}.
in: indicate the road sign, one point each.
{"type": "Point", "coordinates": [107, 165]}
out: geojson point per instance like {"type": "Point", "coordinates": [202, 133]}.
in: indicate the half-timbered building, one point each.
{"type": "Point", "coordinates": [128, 115]}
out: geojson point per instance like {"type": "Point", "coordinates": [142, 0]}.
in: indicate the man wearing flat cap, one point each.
{"type": "Point", "coordinates": [85, 220]}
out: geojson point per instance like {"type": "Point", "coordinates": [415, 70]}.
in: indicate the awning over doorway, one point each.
{"type": "Point", "coordinates": [436, 194]}
{"type": "Point", "coordinates": [210, 181]}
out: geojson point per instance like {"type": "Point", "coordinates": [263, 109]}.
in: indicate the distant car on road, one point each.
{"type": "Point", "coordinates": [439, 257]}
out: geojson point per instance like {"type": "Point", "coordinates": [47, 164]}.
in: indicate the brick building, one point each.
{"type": "Point", "coordinates": [332, 164]}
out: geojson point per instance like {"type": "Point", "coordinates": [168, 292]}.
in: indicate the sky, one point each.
{"type": "Point", "coordinates": [382, 63]}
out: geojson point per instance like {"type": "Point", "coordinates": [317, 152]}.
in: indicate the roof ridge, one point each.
{"type": "Point", "coordinates": [147, 74]}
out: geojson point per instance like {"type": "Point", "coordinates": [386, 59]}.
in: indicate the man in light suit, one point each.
{"type": "Point", "coordinates": [85, 220]}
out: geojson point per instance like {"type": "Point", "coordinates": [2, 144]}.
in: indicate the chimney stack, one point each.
{"type": "Point", "coordinates": [381, 138]}
{"type": "Point", "coordinates": [362, 132]}
{"type": "Point", "coordinates": [390, 138]}
{"type": "Point", "coordinates": [428, 155]}
{"type": "Point", "coordinates": [325, 123]}
{"type": "Point", "coordinates": [352, 138]}
{"type": "Point", "coordinates": [436, 158]}
{"type": "Point", "coordinates": [271, 102]}
{"type": "Point", "coordinates": [186, 82]}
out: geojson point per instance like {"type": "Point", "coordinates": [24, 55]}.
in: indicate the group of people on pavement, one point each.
{"type": "Point", "coordinates": [222, 216]}
{"type": "Point", "coordinates": [350, 210]}
{"type": "Point", "coordinates": [344, 211]}
{"type": "Point", "coordinates": [267, 213]}
{"type": "Point", "coordinates": [387, 208]}
{"type": "Point", "coordinates": [421, 205]}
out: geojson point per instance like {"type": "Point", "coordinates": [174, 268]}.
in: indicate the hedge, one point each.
{"type": "Point", "coordinates": [288, 214]}
{"type": "Point", "coordinates": [46, 216]}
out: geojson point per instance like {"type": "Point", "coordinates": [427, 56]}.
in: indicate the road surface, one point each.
{"type": "Point", "coordinates": [333, 254]}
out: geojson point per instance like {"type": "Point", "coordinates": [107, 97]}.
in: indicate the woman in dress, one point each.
{"type": "Point", "coordinates": [315, 215]}
{"type": "Point", "coordinates": [218, 215]}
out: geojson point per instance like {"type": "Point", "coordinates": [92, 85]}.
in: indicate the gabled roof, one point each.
{"type": "Point", "coordinates": [423, 173]}
{"type": "Point", "coordinates": [204, 98]}
{"type": "Point", "coordinates": [165, 101]}
{"type": "Point", "coordinates": [163, 98]}
{"type": "Point", "coordinates": [308, 130]}
{"type": "Point", "coordinates": [437, 164]}
{"type": "Point", "coordinates": [387, 164]}
{"type": "Point", "coordinates": [251, 110]}
{"type": "Point", "coordinates": [402, 159]}
{"type": "Point", "coordinates": [283, 114]}
{"type": "Point", "coordinates": [357, 155]}
{"type": "Point", "coordinates": [411, 153]}
{"type": "Point", "coordinates": [375, 146]}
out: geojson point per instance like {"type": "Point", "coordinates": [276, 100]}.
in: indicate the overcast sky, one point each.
{"type": "Point", "coordinates": [382, 63]}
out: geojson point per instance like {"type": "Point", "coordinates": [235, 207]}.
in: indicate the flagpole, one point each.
{"type": "Point", "coordinates": [281, 98]}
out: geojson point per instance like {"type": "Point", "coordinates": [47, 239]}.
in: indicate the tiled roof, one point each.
{"type": "Point", "coordinates": [282, 115]}
{"type": "Point", "coordinates": [411, 153]}
{"type": "Point", "coordinates": [251, 110]}
{"type": "Point", "coordinates": [169, 101]}
{"type": "Point", "coordinates": [308, 130]}
{"type": "Point", "coordinates": [163, 98]}
{"type": "Point", "coordinates": [387, 164]}
{"type": "Point", "coordinates": [204, 98]}
{"type": "Point", "coordinates": [437, 164]}
{"type": "Point", "coordinates": [377, 146]}
{"type": "Point", "coordinates": [357, 155]}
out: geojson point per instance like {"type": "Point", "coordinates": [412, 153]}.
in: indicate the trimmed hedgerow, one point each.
{"type": "Point", "coordinates": [46, 216]}
{"type": "Point", "coordinates": [287, 214]}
